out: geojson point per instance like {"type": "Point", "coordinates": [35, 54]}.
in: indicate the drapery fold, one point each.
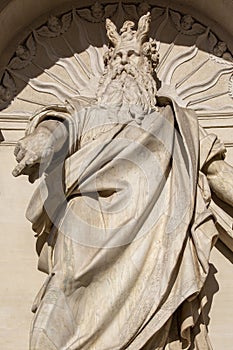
{"type": "Point", "coordinates": [130, 231]}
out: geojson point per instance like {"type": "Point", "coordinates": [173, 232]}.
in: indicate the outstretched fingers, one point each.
{"type": "Point", "coordinates": [17, 149]}
{"type": "Point", "coordinates": [25, 160]}
{"type": "Point", "coordinates": [20, 155]}
{"type": "Point", "coordinates": [33, 151]}
{"type": "Point", "coordinates": [19, 169]}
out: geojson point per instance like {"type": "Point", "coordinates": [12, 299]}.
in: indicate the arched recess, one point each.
{"type": "Point", "coordinates": [18, 15]}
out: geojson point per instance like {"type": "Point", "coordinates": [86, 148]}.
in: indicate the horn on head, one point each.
{"type": "Point", "coordinates": [112, 33]}
{"type": "Point", "coordinates": [143, 27]}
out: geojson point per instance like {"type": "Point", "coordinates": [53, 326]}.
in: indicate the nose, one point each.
{"type": "Point", "coordinates": [124, 60]}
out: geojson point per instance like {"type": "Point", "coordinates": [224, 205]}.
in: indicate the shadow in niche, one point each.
{"type": "Point", "coordinates": [32, 58]}
{"type": "Point", "coordinates": [224, 250]}
{"type": "Point", "coordinates": [227, 208]}
{"type": "Point", "coordinates": [1, 137]}
{"type": "Point", "coordinates": [171, 332]}
{"type": "Point", "coordinates": [226, 237]}
{"type": "Point", "coordinates": [211, 287]}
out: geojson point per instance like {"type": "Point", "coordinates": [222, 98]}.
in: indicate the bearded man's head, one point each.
{"type": "Point", "coordinates": [129, 77]}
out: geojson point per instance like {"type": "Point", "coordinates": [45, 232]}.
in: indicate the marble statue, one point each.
{"type": "Point", "coordinates": [122, 210]}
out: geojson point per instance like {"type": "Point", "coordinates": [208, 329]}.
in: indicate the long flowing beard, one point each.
{"type": "Point", "coordinates": [126, 85]}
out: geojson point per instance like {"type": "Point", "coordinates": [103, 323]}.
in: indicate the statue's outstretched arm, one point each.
{"type": "Point", "coordinates": [220, 177]}
{"type": "Point", "coordinates": [39, 147]}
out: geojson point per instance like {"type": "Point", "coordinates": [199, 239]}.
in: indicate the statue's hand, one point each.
{"type": "Point", "coordinates": [32, 151]}
{"type": "Point", "coordinates": [35, 151]}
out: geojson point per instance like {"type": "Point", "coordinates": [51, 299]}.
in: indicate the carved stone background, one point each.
{"type": "Point", "coordinates": [61, 56]}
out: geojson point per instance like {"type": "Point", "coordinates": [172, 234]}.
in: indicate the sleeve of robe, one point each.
{"type": "Point", "coordinates": [43, 207]}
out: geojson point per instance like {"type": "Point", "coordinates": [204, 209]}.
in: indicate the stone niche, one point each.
{"type": "Point", "coordinates": [53, 50]}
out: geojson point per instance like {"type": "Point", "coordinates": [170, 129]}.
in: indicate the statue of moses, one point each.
{"type": "Point", "coordinates": [122, 217]}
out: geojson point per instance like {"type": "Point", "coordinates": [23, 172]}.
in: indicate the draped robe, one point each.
{"type": "Point", "coordinates": [124, 231]}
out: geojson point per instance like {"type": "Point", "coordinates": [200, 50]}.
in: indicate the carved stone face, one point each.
{"type": "Point", "coordinates": [227, 56]}
{"type": "Point", "coordinates": [5, 93]}
{"type": "Point", "coordinates": [129, 76]}
{"type": "Point", "coordinates": [54, 24]}
{"type": "Point", "coordinates": [220, 48]}
{"type": "Point", "coordinates": [186, 22]}
{"type": "Point", "coordinates": [97, 11]}
{"type": "Point", "coordinates": [126, 56]}
{"type": "Point", "coordinates": [22, 52]}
